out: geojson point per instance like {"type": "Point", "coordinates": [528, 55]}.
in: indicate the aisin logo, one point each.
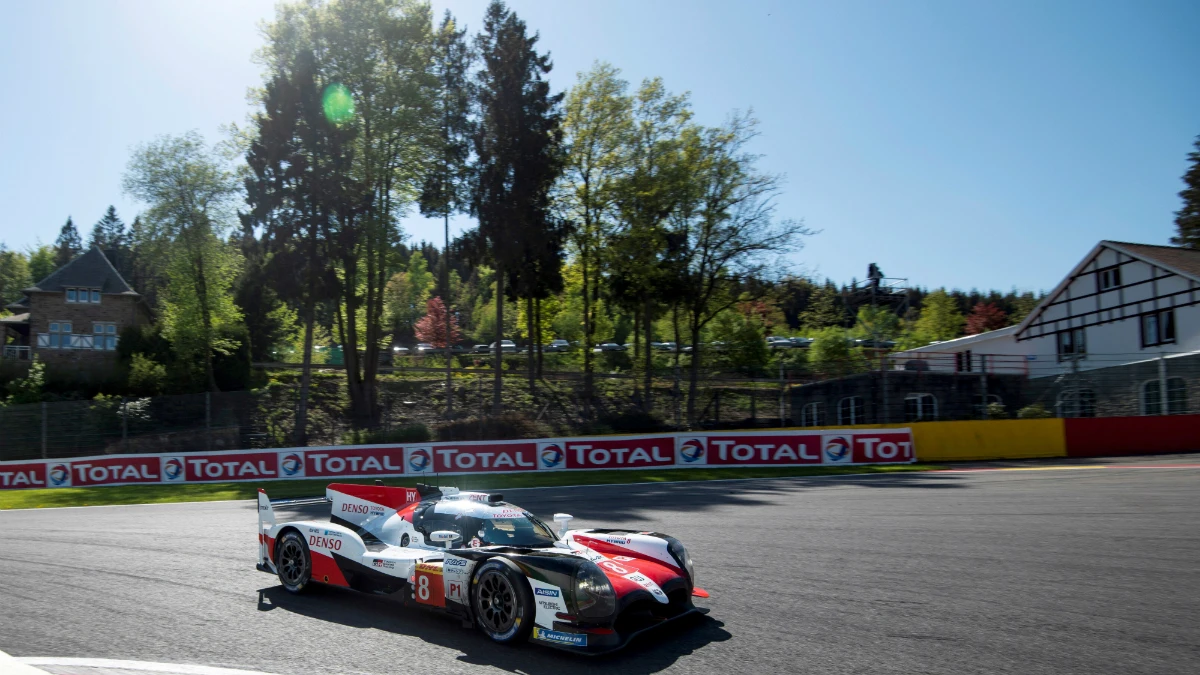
{"type": "Point", "coordinates": [173, 468]}
{"type": "Point", "coordinates": [552, 456]}
{"type": "Point", "coordinates": [292, 464]}
{"type": "Point", "coordinates": [691, 451]}
{"type": "Point", "coordinates": [419, 460]}
{"type": "Point", "coordinates": [59, 474]}
{"type": "Point", "coordinates": [837, 448]}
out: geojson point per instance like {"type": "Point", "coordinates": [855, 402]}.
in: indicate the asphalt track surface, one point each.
{"type": "Point", "coordinates": [1040, 571]}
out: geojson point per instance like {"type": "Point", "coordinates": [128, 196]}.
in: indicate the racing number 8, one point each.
{"type": "Point", "coordinates": [430, 588]}
{"type": "Point", "coordinates": [423, 588]}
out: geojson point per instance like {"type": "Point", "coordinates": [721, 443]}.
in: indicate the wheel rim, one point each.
{"type": "Point", "coordinates": [497, 602]}
{"type": "Point", "coordinates": [291, 562]}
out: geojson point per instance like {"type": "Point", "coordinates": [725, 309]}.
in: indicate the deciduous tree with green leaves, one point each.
{"type": "Point", "coordinates": [191, 196]}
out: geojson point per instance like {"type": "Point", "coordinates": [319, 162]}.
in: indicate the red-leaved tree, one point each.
{"type": "Point", "coordinates": [431, 328]}
{"type": "Point", "coordinates": [985, 317]}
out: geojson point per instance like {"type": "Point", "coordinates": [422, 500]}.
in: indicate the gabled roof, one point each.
{"type": "Point", "coordinates": [962, 341]}
{"type": "Point", "coordinates": [90, 270]}
{"type": "Point", "coordinates": [1182, 261]}
{"type": "Point", "coordinates": [18, 305]}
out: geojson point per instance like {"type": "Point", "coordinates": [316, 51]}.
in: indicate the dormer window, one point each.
{"type": "Point", "coordinates": [83, 296]}
{"type": "Point", "coordinates": [1109, 278]}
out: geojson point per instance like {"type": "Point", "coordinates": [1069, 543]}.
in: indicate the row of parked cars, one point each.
{"type": "Point", "coordinates": [510, 347]}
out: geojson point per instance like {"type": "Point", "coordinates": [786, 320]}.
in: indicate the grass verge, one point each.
{"type": "Point", "coordinates": [207, 492]}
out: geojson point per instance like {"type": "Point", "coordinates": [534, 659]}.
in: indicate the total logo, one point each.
{"type": "Point", "coordinates": [172, 469]}
{"type": "Point", "coordinates": [59, 475]}
{"type": "Point", "coordinates": [420, 460]}
{"type": "Point", "coordinates": [692, 450]}
{"type": "Point", "coordinates": [551, 455]}
{"type": "Point", "coordinates": [291, 464]}
{"type": "Point", "coordinates": [837, 450]}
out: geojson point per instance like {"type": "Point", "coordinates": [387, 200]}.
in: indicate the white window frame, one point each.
{"type": "Point", "coordinates": [1078, 344]}
{"type": "Point", "coordinates": [1067, 403]}
{"type": "Point", "coordinates": [104, 335]}
{"type": "Point", "coordinates": [812, 414]}
{"type": "Point", "coordinates": [853, 413]}
{"type": "Point", "coordinates": [83, 296]}
{"type": "Point", "coordinates": [54, 337]}
{"type": "Point", "coordinates": [1109, 278]}
{"type": "Point", "coordinates": [924, 401]}
{"type": "Point", "coordinates": [1174, 405]}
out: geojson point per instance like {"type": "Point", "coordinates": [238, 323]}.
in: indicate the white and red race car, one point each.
{"type": "Point", "coordinates": [487, 562]}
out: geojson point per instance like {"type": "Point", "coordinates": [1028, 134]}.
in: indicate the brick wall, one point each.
{"type": "Point", "coordinates": [44, 308]}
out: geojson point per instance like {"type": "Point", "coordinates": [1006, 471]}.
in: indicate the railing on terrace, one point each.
{"type": "Point", "coordinates": [16, 352]}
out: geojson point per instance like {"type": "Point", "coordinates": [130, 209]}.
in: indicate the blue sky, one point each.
{"type": "Point", "coordinates": [964, 144]}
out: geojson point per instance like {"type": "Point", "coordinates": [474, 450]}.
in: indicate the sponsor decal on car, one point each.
{"type": "Point", "coordinates": [384, 564]}
{"type": "Point", "coordinates": [614, 567]}
{"type": "Point", "coordinates": [573, 639]}
{"type": "Point", "coordinates": [324, 542]}
{"type": "Point", "coordinates": [429, 568]}
{"type": "Point", "coordinates": [623, 558]}
{"type": "Point", "coordinates": [456, 562]}
{"type": "Point", "coordinates": [549, 592]}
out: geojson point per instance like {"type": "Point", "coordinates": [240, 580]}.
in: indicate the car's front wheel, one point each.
{"type": "Point", "coordinates": [502, 602]}
{"type": "Point", "coordinates": [294, 562]}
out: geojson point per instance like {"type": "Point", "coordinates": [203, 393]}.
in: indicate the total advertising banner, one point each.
{"type": "Point", "coordinates": [662, 451]}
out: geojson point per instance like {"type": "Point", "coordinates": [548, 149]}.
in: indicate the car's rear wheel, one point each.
{"type": "Point", "coordinates": [502, 602]}
{"type": "Point", "coordinates": [294, 562]}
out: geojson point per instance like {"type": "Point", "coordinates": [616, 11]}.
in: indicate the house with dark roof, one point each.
{"type": "Point", "coordinates": [75, 315]}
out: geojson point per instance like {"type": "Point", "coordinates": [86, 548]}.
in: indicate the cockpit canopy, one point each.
{"type": "Point", "coordinates": [480, 522]}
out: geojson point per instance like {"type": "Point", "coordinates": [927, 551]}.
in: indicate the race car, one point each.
{"type": "Point", "coordinates": [487, 562]}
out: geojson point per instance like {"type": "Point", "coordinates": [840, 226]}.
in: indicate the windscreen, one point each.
{"type": "Point", "coordinates": [511, 527]}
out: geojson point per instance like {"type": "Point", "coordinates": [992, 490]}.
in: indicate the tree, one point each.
{"type": "Point", "coordinates": [940, 319]}
{"type": "Point", "coordinates": [190, 194]}
{"type": "Point", "coordinates": [372, 64]}
{"type": "Point", "coordinates": [831, 354]}
{"type": "Point", "coordinates": [408, 293]}
{"type": "Point", "coordinates": [438, 327]}
{"type": "Point", "coordinates": [985, 317]}
{"type": "Point", "coordinates": [876, 323]}
{"type": "Point", "coordinates": [446, 185]}
{"type": "Point", "coordinates": [729, 240]}
{"type": "Point", "coordinates": [41, 262]}
{"type": "Point", "coordinates": [14, 276]}
{"type": "Point", "coordinates": [108, 232]}
{"type": "Point", "coordinates": [1187, 219]}
{"type": "Point", "coordinates": [822, 311]}
{"type": "Point", "coordinates": [1023, 304]}
{"type": "Point", "coordinates": [68, 245]}
{"type": "Point", "coordinates": [517, 148]}
{"type": "Point", "coordinates": [596, 123]}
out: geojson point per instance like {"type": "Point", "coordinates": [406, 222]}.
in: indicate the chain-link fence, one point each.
{"type": "Point", "coordinates": [411, 404]}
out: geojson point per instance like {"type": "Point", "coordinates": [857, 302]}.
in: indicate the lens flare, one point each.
{"type": "Point", "coordinates": [338, 103]}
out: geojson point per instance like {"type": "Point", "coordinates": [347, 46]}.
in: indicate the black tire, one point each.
{"type": "Point", "coordinates": [293, 562]}
{"type": "Point", "coordinates": [502, 603]}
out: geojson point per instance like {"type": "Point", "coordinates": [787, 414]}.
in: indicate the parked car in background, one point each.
{"type": "Point", "coordinates": [663, 346]}
{"type": "Point", "coordinates": [480, 349]}
{"type": "Point", "coordinates": [875, 344]}
{"type": "Point", "coordinates": [609, 347]}
{"type": "Point", "coordinates": [400, 351]}
{"type": "Point", "coordinates": [426, 348]}
{"type": "Point", "coordinates": [776, 342]}
{"type": "Point", "coordinates": [801, 342]}
{"type": "Point", "coordinates": [557, 346]}
{"type": "Point", "coordinates": [506, 346]}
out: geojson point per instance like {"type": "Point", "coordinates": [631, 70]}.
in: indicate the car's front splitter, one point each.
{"type": "Point", "coordinates": [596, 644]}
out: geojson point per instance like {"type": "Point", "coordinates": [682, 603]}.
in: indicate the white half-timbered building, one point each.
{"type": "Point", "coordinates": [1123, 303]}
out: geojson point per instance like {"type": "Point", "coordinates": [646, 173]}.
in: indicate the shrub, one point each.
{"type": "Point", "coordinates": [507, 426]}
{"type": "Point", "coordinates": [146, 377]}
{"type": "Point", "coordinates": [31, 388]}
{"type": "Point", "coordinates": [996, 411]}
{"type": "Point", "coordinates": [1033, 412]}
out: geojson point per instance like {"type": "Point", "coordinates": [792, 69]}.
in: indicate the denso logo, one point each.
{"type": "Point", "coordinates": [172, 468]}
{"type": "Point", "coordinates": [325, 542]}
{"type": "Point", "coordinates": [291, 464]}
{"type": "Point", "coordinates": [419, 460]}
{"type": "Point", "coordinates": [552, 456]}
{"type": "Point", "coordinates": [59, 474]}
{"type": "Point", "coordinates": [354, 508]}
{"type": "Point", "coordinates": [837, 449]}
{"type": "Point", "coordinates": [548, 592]}
{"type": "Point", "coordinates": [691, 451]}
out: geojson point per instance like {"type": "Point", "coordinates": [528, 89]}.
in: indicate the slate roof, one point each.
{"type": "Point", "coordinates": [1184, 261]}
{"type": "Point", "coordinates": [89, 270]}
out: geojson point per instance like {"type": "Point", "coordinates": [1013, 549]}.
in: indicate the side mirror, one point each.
{"type": "Point", "coordinates": [446, 536]}
{"type": "Point", "coordinates": [561, 519]}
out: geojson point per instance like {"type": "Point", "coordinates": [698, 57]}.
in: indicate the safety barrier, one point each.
{"type": "Point", "coordinates": [1100, 436]}
{"type": "Point", "coordinates": [807, 447]}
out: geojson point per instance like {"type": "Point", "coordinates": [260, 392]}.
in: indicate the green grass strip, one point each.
{"type": "Point", "coordinates": [206, 492]}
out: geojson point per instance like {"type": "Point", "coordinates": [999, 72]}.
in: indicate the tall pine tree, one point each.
{"type": "Point", "coordinates": [517, 147]}
{"type": "Point", "coordinates": [68, 245]}
{"type": "Point", "coordinates": [109, 232]}
{"type": "Point", "coordinates": [1187, 219]}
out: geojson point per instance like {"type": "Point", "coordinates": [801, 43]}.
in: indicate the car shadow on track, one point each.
{"type": "Point", "coordinates": [649, 653]}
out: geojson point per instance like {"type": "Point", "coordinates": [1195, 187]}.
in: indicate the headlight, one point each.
{"type": "Point", "coordinates": [680, 554]}
{"type": "Point", "coordinates": [594, 596]}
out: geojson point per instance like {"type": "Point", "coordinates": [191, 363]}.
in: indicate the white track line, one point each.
{"type": "Point", "coordinates": [11, 666]}
{"type": "Point", "coordinates": [139, 666]}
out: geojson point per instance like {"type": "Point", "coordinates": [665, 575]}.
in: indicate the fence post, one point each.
{"type": "Point", "coordinates": [124, 424]}
{"type": "Point", "coordinates": [1164, 408]}
{"type": "Point", "coordinates": [887, 417]}
{"type": "Point", "coordinates": [754, 401]}
{"type": "Point", "coordinates": [782, 390]}
{"type": "Point", "coordinates": [208, 421]}
{"type": "Point", "coordinates": [983, 392]}
{"type": "Point", "coordinates": [45, 427]}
